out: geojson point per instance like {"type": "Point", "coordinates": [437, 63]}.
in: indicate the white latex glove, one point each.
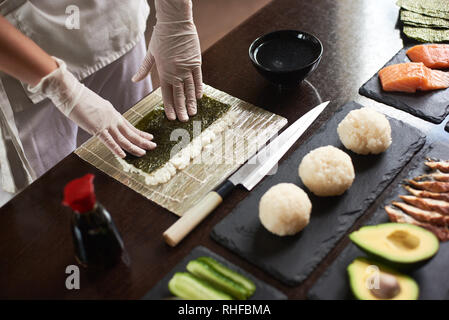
{"type": "Point", "coordinates": [175, 49]}
{"type": "Point", "coordinates": [92, 113]}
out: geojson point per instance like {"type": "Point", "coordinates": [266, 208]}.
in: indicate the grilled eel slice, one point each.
{"type": "Point", "coordinates": [427, 194]}
{"type": "Point", "coordinates": [432, 186]}
{"type": "Point", "coordinates": [434, 176]}
{"type": "Point", "coordinates": [443, 166]}
{"type": "Point", "coordinates": [427, 204]}
{"type": "Point", "coordinates": [399, 216]}
{"type": "Point", "coordinates": [423, 215]}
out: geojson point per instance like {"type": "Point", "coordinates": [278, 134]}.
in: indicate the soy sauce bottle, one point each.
{"type": "Point", "coordinates": [98, 244]}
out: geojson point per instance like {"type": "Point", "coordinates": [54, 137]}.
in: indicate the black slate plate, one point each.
{"type": "Point", "coordinates": [292, 259]}
{"type": "Point", "coordinates": [263, 291]}
{"type": "Point", "coordinates": [432, 278]}
{"type": "Point", "coordinates": [447, 127]}
{"type": "Point", "coordinates": [432, 106]}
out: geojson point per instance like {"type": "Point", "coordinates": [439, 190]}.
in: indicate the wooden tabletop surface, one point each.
{"type": "Point", "coordinates": [35, 241]}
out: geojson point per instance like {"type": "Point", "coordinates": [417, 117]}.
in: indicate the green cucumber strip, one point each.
{"type": "Point", "coordinates": [204, 271]}
{"type": "Point", "coordinates": [249, 286]}
{"type": "Point", "coordinates": [188, 287]}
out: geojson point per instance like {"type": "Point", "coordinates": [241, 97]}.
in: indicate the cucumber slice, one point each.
{"type": "Point", "coordinates": [249, 286]}
{"type": "Point", "coordinates": [206, 272]}
{"type": "Point", "coordinates": [188, 287]}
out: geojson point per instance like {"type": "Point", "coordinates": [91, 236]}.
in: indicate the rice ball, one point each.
{"type": "Point", "coordinates": [285, 209]}
{"type": "Point", "coordinates": [365, 131]}
{"type": "Point", "coordinates": [327, 171]}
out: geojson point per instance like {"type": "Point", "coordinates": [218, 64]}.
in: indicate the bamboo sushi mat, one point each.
{"type": "Point", "coordinates": [252, 128]}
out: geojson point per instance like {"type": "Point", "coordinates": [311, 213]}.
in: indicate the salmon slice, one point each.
{"type": "Point", "coordinates": [428, 204]}
{"type": "Point", "coordinates": [432, 55]}
{"type": "Point", "coordinates": [412, 76]}
{"type": "Point", "coordinates": [398, 216]}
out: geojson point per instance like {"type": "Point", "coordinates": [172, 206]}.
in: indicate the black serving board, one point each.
{"type": "Point", "coordinates": [432, 278]}
{"type": "Point", "coordinates": [432, 106]}
{"type": "Point", "coordinates": [263, 291]}
{"type": "Point", "coordinates": [291, 259]}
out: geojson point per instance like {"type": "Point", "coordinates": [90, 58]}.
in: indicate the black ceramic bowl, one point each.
{"type": "Point", "coordinates": [286, 57]}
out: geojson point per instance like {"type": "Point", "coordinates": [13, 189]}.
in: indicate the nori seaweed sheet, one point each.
{"type": "Point", "coordinates": [427, 34]}
{"type": "Point", "coordinates": [433, 8]}
{"type": "Point", "coordinates": [156, 123]}
{"type": "Point", "coordinates": [419, 20]}
{"type": "Point", "coordinates": [425, 20]}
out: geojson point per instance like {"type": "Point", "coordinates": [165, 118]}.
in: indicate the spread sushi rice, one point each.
{"type": "Point", "coordinates": [183, 157]}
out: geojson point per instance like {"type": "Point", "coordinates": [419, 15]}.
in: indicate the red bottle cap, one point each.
{"type": "Point", "coordinates": [79, 194]}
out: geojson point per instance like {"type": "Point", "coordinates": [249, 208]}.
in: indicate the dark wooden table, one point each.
{"type": "Point", "coordinates": [35, 242]}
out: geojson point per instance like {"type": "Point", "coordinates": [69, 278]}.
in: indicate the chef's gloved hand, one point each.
{"type": "Point", "coordinates": [175, 49]}
{"type": "Point", "coordinates": [92, 113]}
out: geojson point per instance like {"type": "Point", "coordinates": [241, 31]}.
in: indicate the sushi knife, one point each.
{"type": "Point", "coordinates": [248, 175]}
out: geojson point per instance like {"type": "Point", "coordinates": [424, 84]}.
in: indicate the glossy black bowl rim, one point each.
{"type": "Point", "coordinates": [251, 54]}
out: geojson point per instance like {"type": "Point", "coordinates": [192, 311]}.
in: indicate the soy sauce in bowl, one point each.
{"type": "Point", "coordinates": [286, 57]}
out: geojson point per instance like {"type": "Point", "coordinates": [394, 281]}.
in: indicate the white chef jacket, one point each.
{"type": "Point", "coordinates": [107, 30]}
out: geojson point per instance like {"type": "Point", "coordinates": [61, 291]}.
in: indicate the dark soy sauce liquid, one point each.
{"type": "Point", "coordinates": [285, 54]}
{"type": "Point", "coordinates": [98, 244]}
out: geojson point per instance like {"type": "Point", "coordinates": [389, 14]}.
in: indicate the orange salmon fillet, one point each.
{"type": "Point", "coordinates": [412, 76]}
{"type": "Point", "coordinates": [432, 55]}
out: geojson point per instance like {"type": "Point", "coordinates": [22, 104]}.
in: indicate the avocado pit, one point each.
{"type": "Point", "coordinates": [372, 280]}
{"type": "Point", "coordinates": [388, 287]}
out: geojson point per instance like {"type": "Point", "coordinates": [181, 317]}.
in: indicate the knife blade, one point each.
{"type": "Point", "coordinates": [248, 175]}
{"type": "Point", "coordinates": [263, 161]}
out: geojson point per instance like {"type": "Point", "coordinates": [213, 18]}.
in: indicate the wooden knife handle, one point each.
{"type": "Point", "coordinates": [192, 217]}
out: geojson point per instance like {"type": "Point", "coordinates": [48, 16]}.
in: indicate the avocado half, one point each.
{"type": "Point", "coordinates": [361, 271]}
{"type": "Point", "coordinates": [399, 245]}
